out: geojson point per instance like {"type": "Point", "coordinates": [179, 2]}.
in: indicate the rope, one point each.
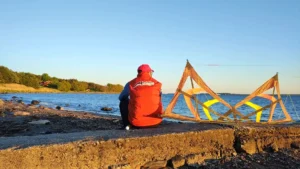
{"type": "Point", "coordinates": [294, 107]}
{"type": "Point", "coordinates": [284, 104]}
{"type": "Point", "coordinates": [206, 98]}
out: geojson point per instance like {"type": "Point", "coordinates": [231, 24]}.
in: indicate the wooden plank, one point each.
{"type": "Point", "coordinates": [174, 115]}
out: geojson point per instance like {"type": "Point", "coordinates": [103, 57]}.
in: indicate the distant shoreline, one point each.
{"type": "Point", "coordinates": [37, 92]}
{"type": "Point", "coordinates": [18, 88]}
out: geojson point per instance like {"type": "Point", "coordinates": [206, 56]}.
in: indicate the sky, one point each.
{"type": "Point", "coordinates": [234, 45]}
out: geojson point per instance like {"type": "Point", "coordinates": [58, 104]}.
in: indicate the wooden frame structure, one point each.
{"type": "Point", "coordinates": [189, 95]}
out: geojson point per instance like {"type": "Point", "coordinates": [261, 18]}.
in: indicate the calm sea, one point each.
{"type": "Point", "coordinates": [94, 103]}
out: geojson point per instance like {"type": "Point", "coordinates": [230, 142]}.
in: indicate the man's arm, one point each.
{"type": "Point", "coordinates": [125, 93]}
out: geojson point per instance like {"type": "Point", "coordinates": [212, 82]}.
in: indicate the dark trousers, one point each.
{"type": "Point", "coordinates": [124, 111]}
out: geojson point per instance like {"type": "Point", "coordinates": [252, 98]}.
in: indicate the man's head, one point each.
{"type": "Point", "coordinates": [145, 68]}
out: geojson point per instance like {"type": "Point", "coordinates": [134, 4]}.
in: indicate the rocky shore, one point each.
{"type": "Point", "coordinates": [32, 136]}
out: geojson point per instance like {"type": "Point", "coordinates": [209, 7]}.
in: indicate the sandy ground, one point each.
{"type": "Point", "coordinates": [68, 126]}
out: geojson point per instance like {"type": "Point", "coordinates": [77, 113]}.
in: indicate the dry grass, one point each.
{"type": "Point", "coordinates": [18, 88]}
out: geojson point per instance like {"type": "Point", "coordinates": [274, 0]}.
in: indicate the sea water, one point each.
{"type": "Point", "coordinates": [93, 102]}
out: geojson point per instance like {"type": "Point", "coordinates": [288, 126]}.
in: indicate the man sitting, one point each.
{"type": "Point", "coordinates": [144, 107]}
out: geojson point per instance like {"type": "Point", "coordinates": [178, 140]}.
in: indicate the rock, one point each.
{"type": "Point", "coordinates": [42, 107]}
{"type": "Point", "coordinates": [295, 145]}
{"type": "Point", "coordinates": [21, 113]}
{"type": "Point", "coordinates": [20, 101]}
{"type": "Point", "coordinates": [14, 98]}
{"type": "Point", "coordinates": [177, 161]}
{"type": "Point", "coordinates": [1, 102]}
{"type": "Point", "coordinates": [106, 109]}
{"type": "Point", "coordinates": [34, 102]}
{"type": "Point", "coordinates": [59, 108]}
{"type": "Point", "coordinates": [48, 132]}
{"type": "Point", "coordinates": [122, 166]}
{"type": "Point", "coordinates": [40, 122]}
{"type": "Point", "coordinates": [194, 159]}
{"type": "Point", "coordinates": [274, 147]}
{"type": "Point", "coordinates": [259, 145]}
{"type": "Point", "coordinates": [154, 165]}
{"type": "Point", "coordinates": [16, 107]}
{"type": "Point", "coordinates": [31, 107]}
{"type": "Point", "coordinates": [45, 108]}
{"type": "Point", "coordinates": [249, 147]}
{"type": "Point", "coordinates": [116, 121]}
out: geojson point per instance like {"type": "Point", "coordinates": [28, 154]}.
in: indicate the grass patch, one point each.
{"type": "Point", "coordinates": [18, 88]}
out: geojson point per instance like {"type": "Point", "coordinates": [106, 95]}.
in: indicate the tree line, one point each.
{"type": "Point", "coordinates": [44, 80]}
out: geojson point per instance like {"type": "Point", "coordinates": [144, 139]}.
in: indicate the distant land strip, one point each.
{"type": "Point", "coordinates": [11, 81]}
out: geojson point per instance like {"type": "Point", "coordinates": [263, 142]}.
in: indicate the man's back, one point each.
{"type": "Point", "coordinates": [145, 104]}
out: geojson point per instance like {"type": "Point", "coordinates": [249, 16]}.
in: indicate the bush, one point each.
{"type": "Point", "coordinates": [29, 79]}
{"type": "Point", "coordinates": [64, 86]}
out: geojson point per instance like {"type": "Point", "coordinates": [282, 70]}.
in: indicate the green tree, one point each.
{"type": "Point", "coordinates": [45, 77]}
{"type": "Point", "coordinates": [114, 87]}
{"type": "Point", "coordinates": [64, 86]}
{"type": "Point", "coordinates": [54, 83]}
{"type": "Point", "coordinates": [83, 86]}
{"type": "Point", "coordinates": [8, 76]}
{"type": "Point", "coordinates": [54, 80]}
{"type": "Point", "coordinates": [1, 78]}
{"type": "Point", "coordinates": [100, 88]}
{"type": "Point", "coordinates": [29, 79]}
{"type": "Point", "coordinates": [74, 85]}
{"type": "Point", "coordinates": [79, 86]}
{"type": "Point", "coordinates": [91, 86]}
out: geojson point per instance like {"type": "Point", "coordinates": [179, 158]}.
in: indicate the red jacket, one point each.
{"type": "Point", "coordinates": [145, 104]}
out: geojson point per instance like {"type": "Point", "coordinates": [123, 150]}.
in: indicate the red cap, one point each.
{"type": "Point", "coordinates": [145, 68]}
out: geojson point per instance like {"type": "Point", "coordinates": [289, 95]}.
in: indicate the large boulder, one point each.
{"type": "Point", "coordinates": [59, 108]}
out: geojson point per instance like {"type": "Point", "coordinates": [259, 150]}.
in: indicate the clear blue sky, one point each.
{"type": "Point", "coordinates": [105, 41]}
